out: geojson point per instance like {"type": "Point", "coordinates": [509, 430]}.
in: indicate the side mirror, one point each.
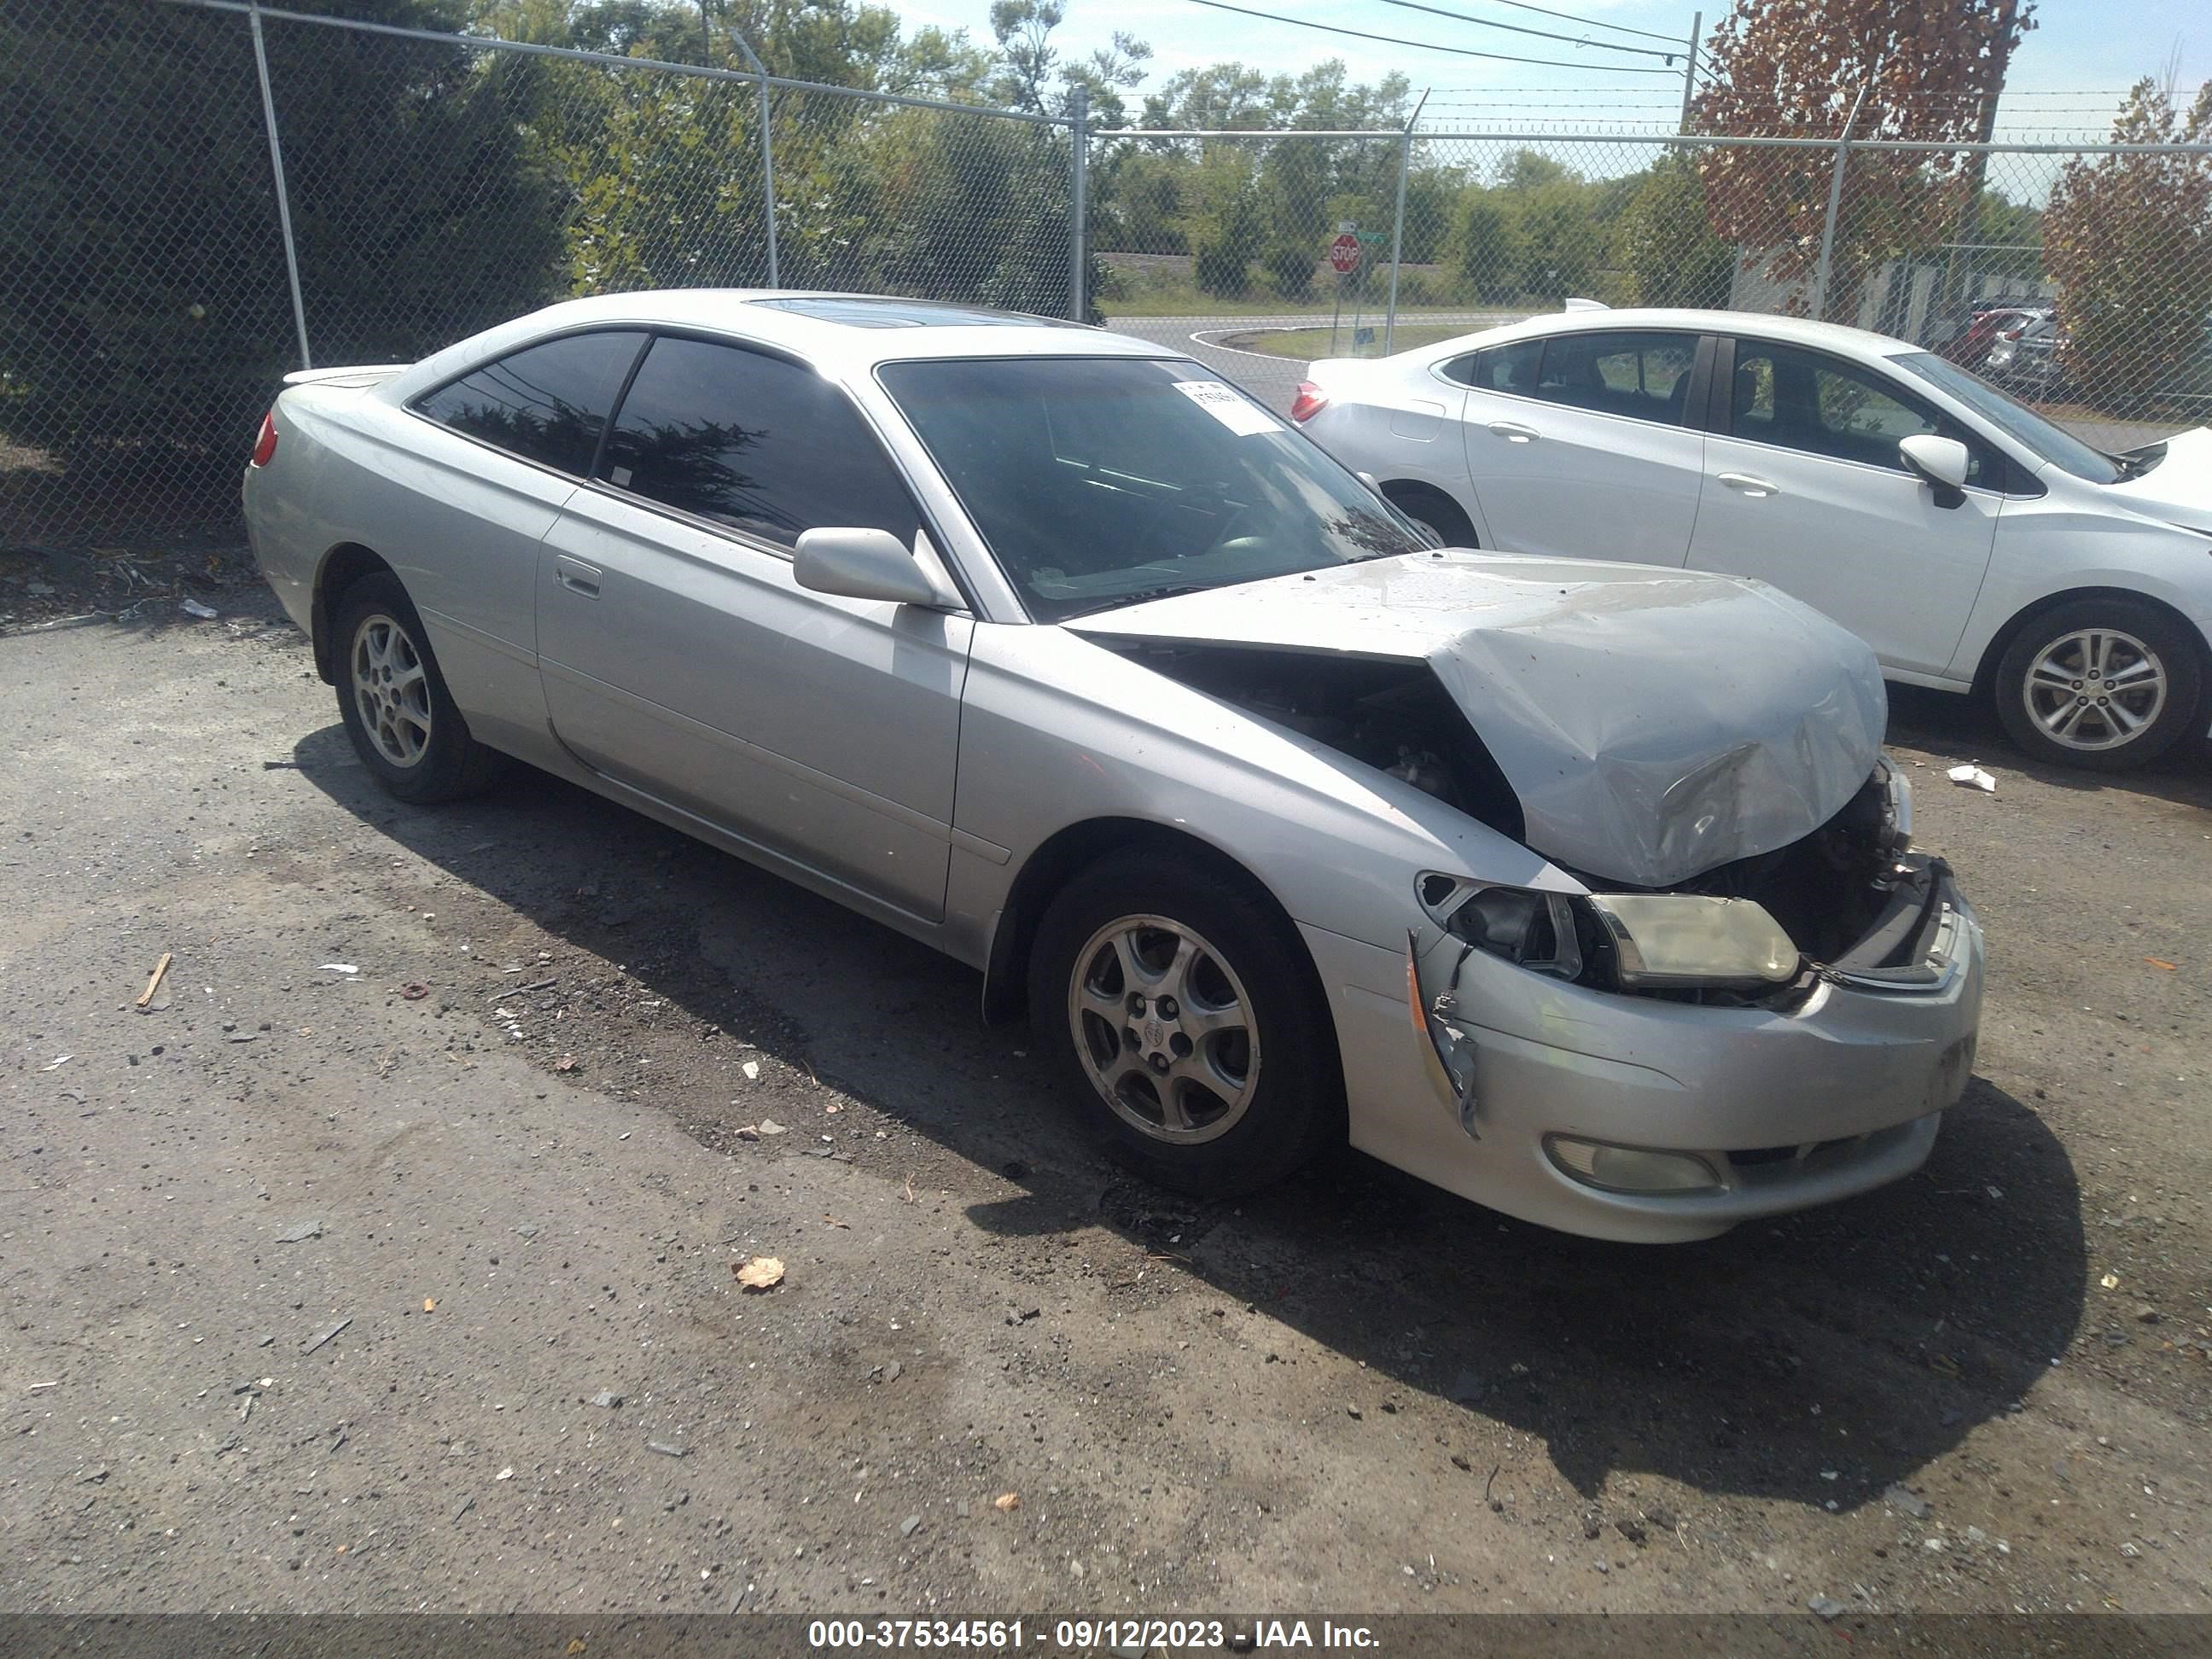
{"type": "Point", "coordinates": [1941, 461]}
{"type": "Point", "coordinates": [856, 563]}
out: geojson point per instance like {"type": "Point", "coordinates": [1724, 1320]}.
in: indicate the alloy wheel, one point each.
{"type": "Point", "coordinates": [1164, 1029]}
{"type": "Point", "coordinates": [391, 689]}
{"type": "Point", "coordinates": [2094, 689]}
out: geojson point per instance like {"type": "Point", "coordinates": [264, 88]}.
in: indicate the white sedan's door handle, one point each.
{"type": "Point", "coordinates": [1513, 431]}
{"type": "Point", "coordinates": [1755, 488]}
{"type": "Point", "coordinates": [576, 576]}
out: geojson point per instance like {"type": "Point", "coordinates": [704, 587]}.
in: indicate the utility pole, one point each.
{"type": "Point", "coordinates": [1968, 227]}
{"type": "Point", "coordinates": [1689, 68]}
{"type": "Point", "coordinates": [706, 41]}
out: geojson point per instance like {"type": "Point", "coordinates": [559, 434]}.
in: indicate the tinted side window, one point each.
{"type": "Point", "coordinates": [1644, 376]}
{"type": "Point", "coordinates": [546, 404]}
{"type": "Point", "coordinates": [1824, 406]}
{"type": "Point", "coordinates": [754, 441]}
{"type": "Point", "coordinates": [1499, 369]}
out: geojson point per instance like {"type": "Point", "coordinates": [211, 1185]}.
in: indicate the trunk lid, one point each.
{"type": "Point", "coordinates": [1653, 723]}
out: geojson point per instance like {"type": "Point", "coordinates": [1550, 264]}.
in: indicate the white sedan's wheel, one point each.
{"type": "Point", "coordinates": [2107, 684]}
{"type": "Point", "coordinates": [2095, 689]}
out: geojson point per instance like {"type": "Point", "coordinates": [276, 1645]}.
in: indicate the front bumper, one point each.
{"type": "Point", "coordinates": [1789, 1108]}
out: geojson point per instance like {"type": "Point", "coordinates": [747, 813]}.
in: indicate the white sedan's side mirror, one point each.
{"type": "Point", "coordinates": [1941, 461]}
{"type": "Point", "coordinates": [858, 564]}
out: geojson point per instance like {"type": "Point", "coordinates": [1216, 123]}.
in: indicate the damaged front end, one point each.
{"type": "Point", "coordinates": [1848, 909]}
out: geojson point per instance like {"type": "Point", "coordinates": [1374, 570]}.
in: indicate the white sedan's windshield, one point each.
{"type": "Point", "coordinates": [2015, 420]}
{"type": "Point", "coordinates": [1105, 481]}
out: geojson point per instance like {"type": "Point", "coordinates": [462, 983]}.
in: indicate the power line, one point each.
{"type": "Point", "coordinates": [1542, 35]}
{"type": "Point", "coordinates": [1591, 22]}
{"type": "Point", "coordinates": [1421, 46]}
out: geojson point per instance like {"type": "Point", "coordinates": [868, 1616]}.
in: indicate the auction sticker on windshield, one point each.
{"type": "Point", "coordinates": [1228, 406]}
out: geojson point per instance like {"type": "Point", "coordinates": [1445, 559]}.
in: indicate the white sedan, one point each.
{"type": "Point", "coordinates": [1976, 546]}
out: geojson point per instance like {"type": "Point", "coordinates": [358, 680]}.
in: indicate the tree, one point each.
{"type": "Point", "coordinates": [1917, 70]}
{"type": "Point", "coordinates": [1560, 243]}
{"type": "Point", "coordinates": [1028, 64]}
{"type": "Point", "coordinates": [1486, 245]}
{"type": "Point", "coordinates": [1665, 245]}
{"type": "Point", "coordinates": [142, 300]}
{"type": "Point", "coordinates": [2129, 241]}
{"type": "Point", "coordinates": [1225, 220]}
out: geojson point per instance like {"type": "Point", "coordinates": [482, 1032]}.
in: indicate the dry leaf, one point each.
{"type": "Point", "coordinates": [1007, 1500]}
{"type": "Point", "coordinates": [575, 1647]}
{"type": "Point", "coordinates": [429, 1304]}
{"type": "Point", "coordinates": [758, 1272]}
{"type": "Point", "coordinates": [2155, 962]}
{"type": "Point", "coordinates": [834, 1221]}
{"type": "Point", "coordinates": [566, 1063]}
{"type": "Point", "coordinates": [2111, 1281]}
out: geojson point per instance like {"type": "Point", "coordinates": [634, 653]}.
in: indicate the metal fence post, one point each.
{"type": "Point", "coordinates": [767, 149]}
{"type": "Point", "coordinates": [276, 166]}
{"type": "Point", "coordinates": [1835, 202]}
{"type": "Point", "coordinates": [1398, 224]}
{"type": "Point", "coordinates": [1079, 205]}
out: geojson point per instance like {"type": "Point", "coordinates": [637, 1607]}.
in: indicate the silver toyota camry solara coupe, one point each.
{"type": "Point", "coordinates": [1582, 890]}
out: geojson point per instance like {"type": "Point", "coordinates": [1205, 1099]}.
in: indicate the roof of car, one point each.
{"type": "Point", "coordinates": [1790, 330]}
{"type": "Point", "coordinates": [856, 330]}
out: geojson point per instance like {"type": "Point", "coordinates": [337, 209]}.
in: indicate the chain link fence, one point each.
{"type": "Point", "coordinates": [205, 194]}
{"type": "Point", "coordinates": [2076, 276]}
{"type": "Point", "coordinates": [158, 283]}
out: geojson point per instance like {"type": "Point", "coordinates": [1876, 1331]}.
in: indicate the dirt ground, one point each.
{"type": "Point", "coordinates": [412, 1286]}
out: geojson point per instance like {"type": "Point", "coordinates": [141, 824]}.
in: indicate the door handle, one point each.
{"type": "Point", "coordinates": [1513, 431]}
{"type": "Point", "coordinates": [1755, 488]}
{"type": "Point", "coordinates": [576, 576]}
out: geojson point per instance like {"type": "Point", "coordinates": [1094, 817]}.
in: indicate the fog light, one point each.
{"type": "Point", "coordinates": [1631, 1169]}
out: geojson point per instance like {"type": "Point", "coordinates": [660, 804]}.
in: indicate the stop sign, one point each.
{"type": "Point", "coordinates": [1343, 254]}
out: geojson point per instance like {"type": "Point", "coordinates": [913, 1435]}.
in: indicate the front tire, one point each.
{"type": "Point", "coordinates": [2109, 685]}
{"type": "Point", "coordinates": [1183, 1011]}
{"type": "Point", "coordinates": [394, 703]}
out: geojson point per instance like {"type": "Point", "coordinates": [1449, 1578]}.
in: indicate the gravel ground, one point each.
{"type": "Point", "coordinates": [412, 1286]}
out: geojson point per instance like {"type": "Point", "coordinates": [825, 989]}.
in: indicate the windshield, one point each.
{"type": "Point", "coordinates": [1100, 481]}
{"type": "Point", "coordinates": [2015, 420]}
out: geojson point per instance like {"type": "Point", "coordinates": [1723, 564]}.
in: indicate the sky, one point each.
{"type": "Point", "coordinates": [2078, 47]}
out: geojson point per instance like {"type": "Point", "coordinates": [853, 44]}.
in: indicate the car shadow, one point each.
{"type": "Point", "coordinates": [1945, 723]}
{"type": "Point", "coordinates": [1816, 1358]}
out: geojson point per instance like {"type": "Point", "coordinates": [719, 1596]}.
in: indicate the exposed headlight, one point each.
{"type": "Point", "coordinates": [1682, 941]}
{"type": "Point", "coordinates": [1897, 807]}
{"type": "Point", "coordinates": [1533, 930]}
{"type": "Point", "coordinates": [1619, 941]}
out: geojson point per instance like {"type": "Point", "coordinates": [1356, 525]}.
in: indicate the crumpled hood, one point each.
{"type": "Point", "coordinates": [1655, 723]}
{"type": "Point", "coordinates": [2178, 488]}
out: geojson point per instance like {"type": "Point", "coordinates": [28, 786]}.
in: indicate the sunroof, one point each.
{"type": "Point", "coordinates": [862, 312]}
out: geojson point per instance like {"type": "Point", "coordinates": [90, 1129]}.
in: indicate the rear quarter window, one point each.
{"type": "Point", "coordinates": [547, 404]}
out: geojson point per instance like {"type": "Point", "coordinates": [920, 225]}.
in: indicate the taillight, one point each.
{"type": "Point", "coordinates": [1310, 401]}
{"type": "Point", "coordinates": [265, 444]}
{"type": "Point", "coordinates": [2013, 333]}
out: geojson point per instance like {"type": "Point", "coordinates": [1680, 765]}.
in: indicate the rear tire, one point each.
{"type": "Point", "coordinates": [2109, 685]}
{"type": "Point", "coordinates": [1183, 1011]}
{"type": "Point", "coordinates": [394, 703]}
{"type": "Point", "coordinates": [1434, 511]}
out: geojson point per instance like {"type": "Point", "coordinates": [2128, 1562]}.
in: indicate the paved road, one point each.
{"type": "Point", "coordinates": [313, 1285]}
